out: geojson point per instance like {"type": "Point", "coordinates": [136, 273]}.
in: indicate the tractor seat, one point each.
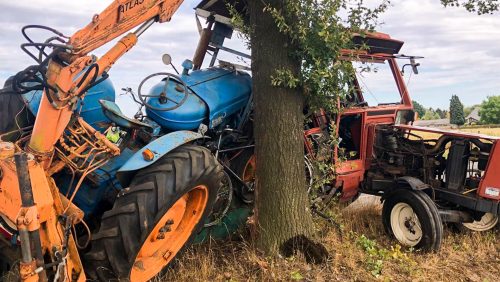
{"type": "Point", "coordinates": [112, 111]}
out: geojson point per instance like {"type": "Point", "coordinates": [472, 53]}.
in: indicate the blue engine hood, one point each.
{"type": "Point", "coordinates": [218, 93]}
{"type": "Point", "coordinates": [90, 110]}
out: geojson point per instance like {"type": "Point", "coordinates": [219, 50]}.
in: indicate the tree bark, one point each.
{"type": "Point", "coordinates": [282, 210]}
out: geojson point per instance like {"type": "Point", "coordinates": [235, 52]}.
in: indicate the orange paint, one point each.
{"type": "Point", "coordinates": [51, 122]}
{"type": "Point", "coordinates": [49, 125]}
{"type": "Point", "coordinates": [169, 235]}
{"type": "Point", "coordinates": [10, 196]}
{"type": "Point", "coordinates": [148, 155]}
{"type": "Point", "coordinates": [48, 207]}
{"type": "Point", "coordinates": [54, 114]}
{"type": "Point", "coordinates": [119, 17]}
{"type": "Point", "coordinates": [249, 171]}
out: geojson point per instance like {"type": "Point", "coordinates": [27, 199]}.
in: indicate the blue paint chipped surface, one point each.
{"type": "Point", "coordinates": [159, 147]}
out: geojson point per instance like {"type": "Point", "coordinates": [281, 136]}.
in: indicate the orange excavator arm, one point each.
{"type": "Point", "coordinates": [118, 18]}
{"type": "Point", "coordinates": [64, 75]}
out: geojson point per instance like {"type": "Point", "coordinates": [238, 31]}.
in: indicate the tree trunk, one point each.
{"type": "Point", "coordinates": [282, 210]}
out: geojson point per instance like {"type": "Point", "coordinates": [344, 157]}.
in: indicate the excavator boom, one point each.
{"type": "Point", "coordinates": [118, 18]}
{"type": "Point", "coordinates": [65, 75]}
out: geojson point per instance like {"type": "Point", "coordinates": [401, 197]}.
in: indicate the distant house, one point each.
{"type": "Point", "coordinates": [473, 117]}
{"type": "Point", "coordinates": [445, 122]}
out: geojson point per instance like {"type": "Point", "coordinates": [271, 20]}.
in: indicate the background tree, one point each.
{"type": "Point", "coordinates": [490, 110]}
{"type": "Point", "coordinates": [295, 58]}
{"type": "Point", "coordinates": [441, 113]}
{"type": "Point", "coordinates": [475, 6]}
{"type": "Point", "coordinates": [419, 109]}
{"type": "Point", "coordinates": [469, 109]}
{"type": "Point", "coordinates": [456, 111]}
{"type": "Point", "coordinates": [430, 114]}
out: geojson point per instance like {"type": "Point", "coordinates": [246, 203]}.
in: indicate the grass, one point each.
{"type": "Point", "coordinates": [478, 130]}
{"type": "Point", "coordinates": [483, 130]}
{"type": "Point", "coordinates": [362, 253]}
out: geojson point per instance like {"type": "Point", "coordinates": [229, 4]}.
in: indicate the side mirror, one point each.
{"type": "Point", "coordinates": [414, 65]}
{"type": "Point", "coordinates": [167, 59]}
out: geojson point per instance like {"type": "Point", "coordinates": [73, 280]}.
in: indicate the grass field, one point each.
{"type": "Point", "coordinates": [479, 130]}
{"type": "Point", "coordinates": [487, 131]}
{"type": "Point", "coordinates": [362, 253]}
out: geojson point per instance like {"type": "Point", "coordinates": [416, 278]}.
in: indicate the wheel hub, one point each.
{"type": "Point", "coordinates": [171, 232]}
{"type": "Point", "coordinates": [405, 225]}
{"type": "Point", "coordinates": [409, 224]}
{"type": "Point", "coordinates": [487, 222]}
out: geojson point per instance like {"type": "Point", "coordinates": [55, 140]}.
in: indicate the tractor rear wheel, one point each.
{"type": "Point", "coordinates": [487, 222]}
{"type": "Point", "coordinates": [162, 210]}
{"type": "Point", "coordinates": [413, 219]}
{"type": "Point", "coordinates": [244, 166]}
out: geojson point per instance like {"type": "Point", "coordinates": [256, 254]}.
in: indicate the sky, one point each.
{"type": "Point", "coordinates": [460, 49]}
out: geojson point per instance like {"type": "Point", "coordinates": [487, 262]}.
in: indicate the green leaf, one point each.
{"type": "Point", "coordinates": [295, 275]}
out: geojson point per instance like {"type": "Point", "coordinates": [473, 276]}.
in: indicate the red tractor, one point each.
{"type": "Point", "coordinates": [423, 182]}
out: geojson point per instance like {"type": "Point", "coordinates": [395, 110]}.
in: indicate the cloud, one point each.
{"type": "Point", "coordinates": [178, 37]}
{"type": "Point", "coordinates": [460, 48]}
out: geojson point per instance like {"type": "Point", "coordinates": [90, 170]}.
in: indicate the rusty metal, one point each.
{"type": "Point", "coordinates": [27, 222]}
{"type": "Point", "coordinates": [82, 149]}
{"type": "Point", "coordinates": [7, 150]}
{"type": "Point", "coordinates": [22, 131]}
{"type": "Point", "coordinates": [21, 160]}
{"type": "Point", "coordinates": [203, 44]}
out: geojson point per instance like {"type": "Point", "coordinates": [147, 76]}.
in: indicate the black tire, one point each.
{"type": "Point", "coordinates": [437, 219]}
{"type": "Point", "coordinates": [9, 263]}
{"type": "Point", "coordinates": [427, 214]}
{"type": "Point", "coordinates": [222, 202]}
{"type": "Point", "coordinates": [152, 193]}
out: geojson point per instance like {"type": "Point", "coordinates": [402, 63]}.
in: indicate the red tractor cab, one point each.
{"type": "Point", "coordinates": [424, 176]}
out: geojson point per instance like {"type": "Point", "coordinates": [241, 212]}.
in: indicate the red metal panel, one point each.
{"type": "Point", "coordinates": [370, 137]}
{"type": "Point", "coordinates": [350, 184]}
{"type": "Point", "coordinates": [490, 184]}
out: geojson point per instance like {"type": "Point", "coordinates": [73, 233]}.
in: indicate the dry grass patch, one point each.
{"type": "Point", "coordinates": [363, 253]}
{"type": "Point", "coordinates": [483, 130]}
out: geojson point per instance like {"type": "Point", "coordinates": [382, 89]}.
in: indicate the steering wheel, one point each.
{"type": "Point", "coordinates": [163, 96]}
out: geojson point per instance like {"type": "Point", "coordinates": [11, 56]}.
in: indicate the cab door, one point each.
{"type": "Point", "coordinates": [349, 154]}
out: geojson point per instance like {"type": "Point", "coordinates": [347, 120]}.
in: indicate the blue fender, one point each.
{"type": "Point", "coordinates": [159, 147]}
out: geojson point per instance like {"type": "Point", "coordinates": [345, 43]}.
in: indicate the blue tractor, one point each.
{"type": "Point", "coordinates": [192, 129]}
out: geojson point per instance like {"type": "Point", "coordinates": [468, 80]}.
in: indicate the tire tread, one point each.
{"type": "Point", "coordinates": [136, 211]}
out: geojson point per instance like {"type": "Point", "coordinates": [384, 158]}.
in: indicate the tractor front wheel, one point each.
{"type": "Point", "coordinates": [162, 210]}
{"type": "Point", "coordinates": [413, 219]}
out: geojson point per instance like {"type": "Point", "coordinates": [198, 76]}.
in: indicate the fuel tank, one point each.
{"type": "Point", "coordinates": [214, 95]}
{"type": "Point", "coordinates": [90, 110]}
